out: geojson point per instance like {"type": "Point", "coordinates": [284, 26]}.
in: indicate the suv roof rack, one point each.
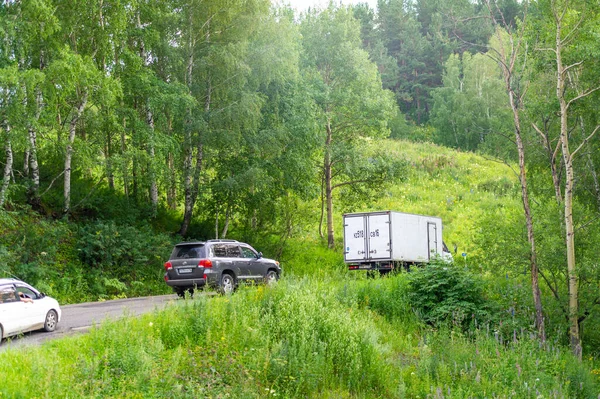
{"type": "Point", "coordinates": [222, 240]}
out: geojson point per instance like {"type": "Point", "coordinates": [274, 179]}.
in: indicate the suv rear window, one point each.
{"type": "Point", "coordinates": [189, 252]}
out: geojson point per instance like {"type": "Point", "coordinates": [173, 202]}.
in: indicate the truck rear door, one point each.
{"type": "Point", "coordinates": [379, 236]}
{"type": "Point", "coordinates": [355, 238]}
{"type": "Point", "coordinates": [432, 239]}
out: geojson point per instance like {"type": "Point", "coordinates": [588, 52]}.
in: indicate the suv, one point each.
{"type": "Point", "coordinates": [217, 263]}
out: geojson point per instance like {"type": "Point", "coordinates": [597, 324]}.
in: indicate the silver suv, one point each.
{"type": "Point", "coordinates": [222, 264]}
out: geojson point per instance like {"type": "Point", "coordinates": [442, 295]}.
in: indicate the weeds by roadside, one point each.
{"type": "Point", "coordinates": [301, 338]}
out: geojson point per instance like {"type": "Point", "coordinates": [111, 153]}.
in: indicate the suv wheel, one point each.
{"type": "Point", "coordinates": [227, 283]}
{"type": "Point", "coordinates": [271, 277]}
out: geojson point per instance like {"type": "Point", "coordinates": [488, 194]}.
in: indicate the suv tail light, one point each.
{"type": "Point", "coordinates": [206, 263]}
{"type": "Point", "coordinates": [168, 266]}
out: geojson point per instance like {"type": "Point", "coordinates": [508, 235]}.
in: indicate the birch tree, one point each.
{"type": "Point", "coordinates": [509, 54]}
{"type": "Point", "coordinates": [348, 94]}
{"type": "Point", "coordinates": [71, 82]}
{"type": "Point", "coordinates": [570, 21]}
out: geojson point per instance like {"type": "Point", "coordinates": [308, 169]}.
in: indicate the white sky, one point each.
{"type": "Point", "coordinates": [302, 5]}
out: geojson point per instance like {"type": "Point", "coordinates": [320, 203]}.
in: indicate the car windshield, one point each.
{"type": "Point", "coordinates": [189, 251]}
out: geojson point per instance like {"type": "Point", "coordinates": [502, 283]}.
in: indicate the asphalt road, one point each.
{"type": "Point", "coordinates": [82, 316]}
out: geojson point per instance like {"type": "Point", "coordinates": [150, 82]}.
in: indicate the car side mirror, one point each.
{"type": "Point", "coordinates": [42, 295]}
{"type": "Point", "coordinates": [259, 255]}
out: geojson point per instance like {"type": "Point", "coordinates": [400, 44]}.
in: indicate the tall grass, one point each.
{"type": "Point", "coordinates": [304, 337]}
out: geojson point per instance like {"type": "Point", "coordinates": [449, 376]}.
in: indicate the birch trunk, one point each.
{"type": "Point", "coordinates": [134, 177]}
{"type": "Point", "coordinates": [328, 186]}
{"type": "Point", "coordinates": [535, 287]}
{"type": "Point", "coordinates": [573, 280]}
{"type": "Point", "coordinates": [150, 123]}
{"type": "Point", "coordinates": [34, 194]}
{"type": "Point", "coordinates": [109, 167]}
{"type": "Point", "coordinates": [152, 172]}
{"type": "Point", "coordinates": [507, 64]}
{"type": "Point", "coordinates": [226, 226]}
{"type": "Point", "coordinates": [187, 183]}
{"type": "Point", "coordinates": [69, 153]}
{"type": "Point", "coordinates": [192, 172]}
{"type": "Point", "coordinates": [189, 200]}
{"type": "Point", "coordinates": [322, 215]}
{"type": "Point", "coordinates": [217, 223]}
{"type": "Point", "coordinates": [187, 180]}
{"type": "Point", "coordinates": [34, 166]}
{"type": "Point", "coordinates": [26, 160]}
{"type": "Point", "coordinates": [7, 167]}
{"type": "Point", "coordinates": [124, 169]}
{"type": "Point", "coordinates": [172, 190]}
{"type": "Point", "coordinates": [172, 185]}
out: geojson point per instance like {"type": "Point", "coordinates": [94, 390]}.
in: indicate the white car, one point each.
{"type": "Point", "coordinates": [23, 308]}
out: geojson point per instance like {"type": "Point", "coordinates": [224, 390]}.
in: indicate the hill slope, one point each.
{"type": "Point", "coordinates": [321, 332]}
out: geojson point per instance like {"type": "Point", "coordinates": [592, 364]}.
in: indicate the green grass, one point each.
{"type": "Point", "coordinates": [305, 337]}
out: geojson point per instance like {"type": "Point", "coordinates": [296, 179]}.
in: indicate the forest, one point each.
{"type": "Point", "coordinates": [129, 125]}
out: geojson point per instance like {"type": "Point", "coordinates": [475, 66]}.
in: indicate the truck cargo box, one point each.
{"type": "Point", "coordinates": [385, 237]}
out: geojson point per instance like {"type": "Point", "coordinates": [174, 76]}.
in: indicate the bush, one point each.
{"type": "Point", "coordinates": [447, 295]}
{"type": "Point", "coordinates": [130, 254]}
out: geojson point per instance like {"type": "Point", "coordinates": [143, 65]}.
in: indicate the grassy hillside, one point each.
{"type": "Point", "coordinates": [467, 191]}
{"type": "Point", "coordinates": [440, 332]}
{"type": "Point", "coordinates": [120, 253]}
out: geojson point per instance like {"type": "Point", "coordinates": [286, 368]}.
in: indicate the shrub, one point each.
{"type": "Point", "coordinates": [130, 254]}
{"type": "Point", "coordinates": [447, 295]}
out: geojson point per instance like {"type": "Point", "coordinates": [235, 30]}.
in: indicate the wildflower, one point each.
{"type": "Point", "coordinates": [150, 324]}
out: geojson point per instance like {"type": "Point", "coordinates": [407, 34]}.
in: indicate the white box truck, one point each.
{"type": "Point", "coordinates": [385, 240]}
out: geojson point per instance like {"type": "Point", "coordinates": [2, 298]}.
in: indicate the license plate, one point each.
{"type": "Point", "coordinates": [183, 271]}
